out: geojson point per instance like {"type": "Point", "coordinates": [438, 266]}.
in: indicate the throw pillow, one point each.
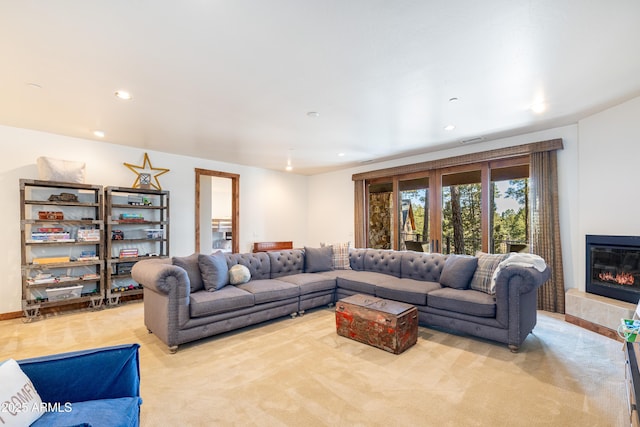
{"type": "Point", "coordinates": [340, 254]}
{"type": "Point", "coordinates": [239, 274]}
{"type": "Point", "coordinates": [318, 259]}
{"type": "Point", "coordinates": [191, 265]}
{"type": "Point", "coordinates": [214, 271]}
{"type": "Point", "coordinates": [50, 169]}
{"type": "Point", "coordinates": [458, 271]}
{"type": "Point", "coordinates": [483, 277]}
{"type": "Point", "coordinates": [21, 403]}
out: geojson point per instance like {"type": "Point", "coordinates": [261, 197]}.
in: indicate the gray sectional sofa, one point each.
{"type": "Point", "coordinates": [188, 298]}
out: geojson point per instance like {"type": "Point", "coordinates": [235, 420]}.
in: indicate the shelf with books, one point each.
{"type": "Point", "coordinates": [62, 251]}
{"type": "Point", "coordinates": [136, 228]}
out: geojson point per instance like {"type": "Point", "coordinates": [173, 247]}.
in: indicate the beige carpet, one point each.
{"type": "Point", "coordinates": [298, 372]}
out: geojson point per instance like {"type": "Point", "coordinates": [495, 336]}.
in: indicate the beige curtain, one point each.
{"type": "Point", "coordinates": [545, 227]}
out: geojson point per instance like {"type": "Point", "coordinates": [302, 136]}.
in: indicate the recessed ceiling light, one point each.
{"type": "Point", "coordinates": [313, 114]}
{"type": "Point", "coordinates": [340, 154]}
{"type": "Point", "coordinates": [449, 127]}
{"type": "Point", "coordinates": [123, 94]}
{"type": "Point", "coordinates": [289, 168]}
{"type": "Point", "coordinates": [98, 133]}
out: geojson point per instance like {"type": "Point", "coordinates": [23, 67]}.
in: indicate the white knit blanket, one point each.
{"type": "Point", "coordinates": [521, 260]}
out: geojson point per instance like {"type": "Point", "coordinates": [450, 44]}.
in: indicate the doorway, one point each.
{"type": "Point", "coordinates": [217, 211]}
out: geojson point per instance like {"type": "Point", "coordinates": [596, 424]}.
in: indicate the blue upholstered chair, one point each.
{"type": "Point", "coordinates": [99, 387]}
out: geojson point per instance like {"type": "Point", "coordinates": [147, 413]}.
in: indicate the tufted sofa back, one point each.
{"type": "Point", "coordinates": [258, 264]}
{"type": "Point", "coordinates": [422, 266]}
{"type": "Point", "coordinates": [284, 263]}
{"type": "Point", "coordinates": [410, 265]}
{"type": "Point", "coordinates": [383, 261]}
{"type": "Point", "coordinates": [356, 259]}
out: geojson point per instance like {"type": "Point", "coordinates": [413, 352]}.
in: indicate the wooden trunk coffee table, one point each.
{"type": "Point", "coordinates": [386, 324]}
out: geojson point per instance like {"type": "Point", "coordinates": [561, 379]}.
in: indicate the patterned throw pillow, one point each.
{"type": "Point", "coordinates": [340, 255]}
{"type": "Point", "coordinates": [483, 276]}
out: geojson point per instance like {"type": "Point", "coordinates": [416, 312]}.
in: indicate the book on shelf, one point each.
{"type": "Point", "coordinates": [89, 234]}
{"type": "Point", "coordinates": [51, 260]}
{"type": "Point", "coordinates": [59, 236]}
{"type": "Point", "coordinates": [128, 253]}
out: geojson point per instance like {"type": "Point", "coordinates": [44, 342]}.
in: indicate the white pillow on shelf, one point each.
{"type": "Point", "coordinates": [50, 169]}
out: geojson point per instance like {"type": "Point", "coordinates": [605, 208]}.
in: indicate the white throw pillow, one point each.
{"type": "Point", "coordinates": [20, 403]}
{"type": "Point", "coordinates": [51, 169]}
{"type": "Point", "coordinates": [239, 274]}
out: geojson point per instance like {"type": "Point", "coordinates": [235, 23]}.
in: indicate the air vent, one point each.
{"type": "Point", "coordinates": [472, 140]}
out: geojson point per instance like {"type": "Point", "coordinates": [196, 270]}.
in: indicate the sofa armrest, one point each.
{"type": "Point", "coordinates": [103, 373]}
{"type": "Point", "coordinates": [521, 279]}
{"type": "Point", "coordinates": [160, 276]}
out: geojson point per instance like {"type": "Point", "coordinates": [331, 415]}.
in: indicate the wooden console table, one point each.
{"type": "Point", "coordinates": [632, 380]}
{"type": "Point", "coordinates": [271, 246]}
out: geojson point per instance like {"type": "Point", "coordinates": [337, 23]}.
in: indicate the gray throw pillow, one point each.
{"type": "Point", "coordinates": [215, 272]}
{"type": "Point", "coordinates": [318, 259]}
{"type": "Point", "coordinates": [190, 264]}
{"type": "Point", "coordinates": [458, 271]}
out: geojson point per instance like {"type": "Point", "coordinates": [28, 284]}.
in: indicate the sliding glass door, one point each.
{"type": "Point", "coordinates": [414, 214]}
{"type": "Point", "coordinates": [453, 210]}
{"type": "Point", "coordinates": [462, 212]}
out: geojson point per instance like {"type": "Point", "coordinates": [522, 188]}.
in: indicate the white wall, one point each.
{"type": "Point", "coordinates": [272, 204]}
{"type": "Point", "coordinates": [609, 159]}
{"type": "Point", "coordinates": [597, 170]}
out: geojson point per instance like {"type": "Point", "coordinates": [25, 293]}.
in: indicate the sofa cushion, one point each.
{"type": "Point", "coordinates": [458, 271]}
{"type": "Point", "coordinates": [483, 279]}
{"type": "Point", "coordinates": [191, 265]}
{"type": "Point", "coordinates": [465, 301]}
{"type": "Point", "coordinates": [422, 266]}
{"type": "Point", "coordinates": [14, 382]}
{"type": "Point", "coordinates": [229, 298]}
{"type": "Point", "coordinates": [339, 255]}
{"type": "Point", "coordinates": [318, 259]}
{"type": "Point", "coordinates": [360, 281]}
{"type": "Point", "coordinates": [270, 290]}
{"type": "Point", "coordinates": [311, 282]}
{"type": "Point", "coordinates": [239, 274]}
{"type": "Point", "coordinates": [215, 273]}
{"type": "Point", "coordinates": [406, 290]}
{"type": "Point", "coordinates": [123, 411]}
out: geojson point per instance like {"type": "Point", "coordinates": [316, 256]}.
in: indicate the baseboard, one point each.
{"type": "Point", "coordinates": [593, 327]}
{"type": "Point", "coordinates": [10, 315]}
{"type": "Point", "coordinates": [63, 308]}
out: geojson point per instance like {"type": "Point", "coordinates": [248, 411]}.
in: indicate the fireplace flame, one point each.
{"type": "Point", "coordinates": [621, 278]}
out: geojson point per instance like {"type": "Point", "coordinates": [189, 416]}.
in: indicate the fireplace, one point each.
{"type": "Point", "coordinates": [613, 267]}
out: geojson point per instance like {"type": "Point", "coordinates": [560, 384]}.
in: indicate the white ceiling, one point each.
{"type": "Point", "coordinates": [233, 80]}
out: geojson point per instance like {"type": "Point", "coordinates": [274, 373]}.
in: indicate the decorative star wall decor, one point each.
{"type": "Point", "coordinates": [146, 169]}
